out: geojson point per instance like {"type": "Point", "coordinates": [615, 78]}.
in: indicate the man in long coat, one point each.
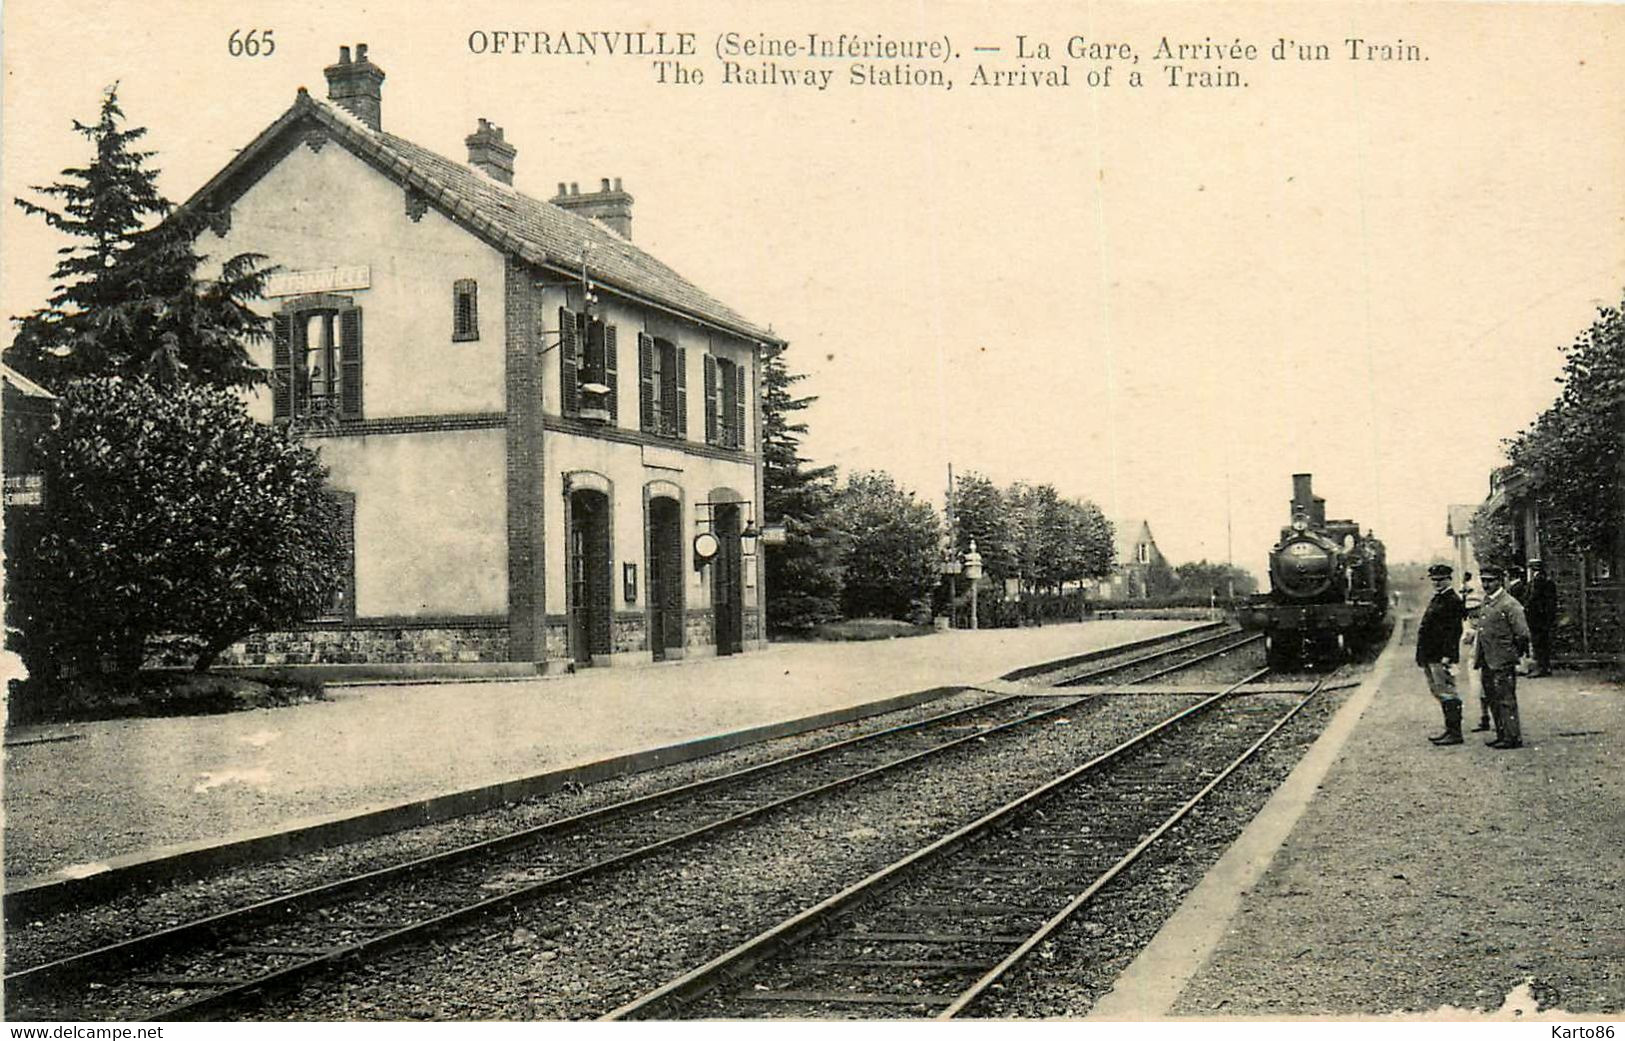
{"type": "Point", "coordinates": [1503, 637]}
{"type": "Point", "coordinates": [1540, 606]}
{"type": "Point", "coordinates": [1438, 639]}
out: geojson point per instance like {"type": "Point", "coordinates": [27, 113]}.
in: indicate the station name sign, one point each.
{"type": "Point", "coordinates": [25, 490]}
{"type": "Point", "coordinates": [320, 280]}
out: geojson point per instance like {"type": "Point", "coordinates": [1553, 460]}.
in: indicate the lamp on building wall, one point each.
{"type": "Point", "coordinates": [748, 538]}
{"type": "Point", "coordinates": [973, 574]}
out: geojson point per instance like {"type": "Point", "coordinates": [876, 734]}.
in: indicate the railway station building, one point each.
{"type": "Point", "coordinates": [1590, 586]}
{"type": "Point", "coordinates": [544, 439]}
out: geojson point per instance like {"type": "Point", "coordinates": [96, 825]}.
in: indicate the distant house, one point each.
{"type": "Point", "coordinates": [1590, 586]}
{"type": "Point", "coordinates": [1458, 525]}
{"type": "Point", "coordinates": [1136, 553]}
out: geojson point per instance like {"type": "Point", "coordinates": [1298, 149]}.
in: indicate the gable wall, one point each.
{"type": "Point", "coordinates": [320, 210]}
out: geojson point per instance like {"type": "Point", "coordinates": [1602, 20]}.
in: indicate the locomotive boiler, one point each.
{"type": "Point", "coordinates": [1328, 587]}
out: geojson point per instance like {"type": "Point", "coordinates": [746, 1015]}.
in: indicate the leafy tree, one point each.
{"type": "Point", "coordinates": [1572, 452]}
{"type": "Point", "coordinates": [1494, 540]}
{"type": "Point", "coordinates": [169, 511]}
{"type": "Point", "coordinates": [1200, 580]}
{"type": "Point", "coordinates": [891, 545]}
{"type": "Point", "coordinates": [1088, 548]}
{"type": "Point", "coordinates": [129, 302]}
{"type": "Point", "coordinates": [804, 574]}
{"type": "Point", "coordinates": [982, 513]}
{"type": "Point", "coordinates": [1159, 579]}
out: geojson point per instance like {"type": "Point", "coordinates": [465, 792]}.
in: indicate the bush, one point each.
{"type": "Point", "coordinates": [167, 512]}
{"type": "Point", "coordinates": [155, 694]}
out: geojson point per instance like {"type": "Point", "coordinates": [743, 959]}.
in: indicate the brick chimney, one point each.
{"type": "Point", "coordinates": [489, 151]}
{"type": "Point", "coordinates": [355, 86]}
{"type": "Point", "coordinates": [609, 206]}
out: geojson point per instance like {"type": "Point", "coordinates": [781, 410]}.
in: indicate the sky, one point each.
{"type": "Point", "coordinates": [1164, 299]}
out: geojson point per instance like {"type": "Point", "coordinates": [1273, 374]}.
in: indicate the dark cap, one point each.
{"type": "Point", "coordinates": [1490, 572]}
{"type": "Point", "coordinates": [1439, 571]}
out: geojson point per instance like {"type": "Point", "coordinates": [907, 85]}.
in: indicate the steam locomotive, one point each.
{"type": "Point", "coordinates": [1328, 587]}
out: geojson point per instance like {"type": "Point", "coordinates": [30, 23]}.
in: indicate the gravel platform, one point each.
{"type": "Point", "coordinates": [1452, 883]}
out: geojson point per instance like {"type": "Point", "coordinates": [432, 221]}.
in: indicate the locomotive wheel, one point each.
{"type": "Point", "coordinates": [1281, 652]}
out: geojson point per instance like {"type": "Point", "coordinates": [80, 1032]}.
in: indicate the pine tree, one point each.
{"type": "Point", "coordinates": [804, 574]}
{"type": "Point", "coordinates": [128, 301]}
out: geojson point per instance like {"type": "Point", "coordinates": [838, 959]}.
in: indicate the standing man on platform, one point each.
{"type": "Point", "coordinates": [1540, 606]}
{"type": "Point", "coordinates": [1438, 639]}
{"type": "Point", "coordinates": [1503, 637]}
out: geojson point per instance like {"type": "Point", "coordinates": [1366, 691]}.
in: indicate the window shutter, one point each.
{"type": "Point", "coordinates": [680, 394]}
{"type": "Point", "coordinates": [569, 347]}
{"type": "Point", "coordinates": [646, 384]}
{"type": "Point", "coordinates": [710, 400]}
{"type": "Point", "coordinates": [350, 388]}
{"type": "Point", "coordinates": [611, 379]}
{"type": "Point", "coordinates": [740, 397]}
{"type": "Point", "coordinates": [282, 366]}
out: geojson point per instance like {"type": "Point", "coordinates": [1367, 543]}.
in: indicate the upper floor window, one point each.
{"type": "Point", "coordinates": [726, 397]}
{"type": "Point", "coordinates": [662, 387]}
{"type": "Point", "coordinates": [587, 367]}
{"type": "Point", "coordinates": [465, 309]}
{"type": "Point", "coordinates": [316, 357]}
{"type": "Point", "coordinates": [1142, 553]}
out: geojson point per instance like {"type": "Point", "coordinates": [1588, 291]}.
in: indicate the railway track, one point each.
{"type": "Point", "coordinates": [940, 930]}
{"type": "Point", "coordinates": [213, 964]}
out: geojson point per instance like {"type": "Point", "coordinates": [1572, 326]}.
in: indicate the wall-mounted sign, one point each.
{"type": "Point", "coordinates": [629, 582]}
{"type": "Point", "coordinates": [25, 490]}
{"type": "Point", "coordinates": [321, 280]}
{"type": "Point", "coordinates": [705, 547]}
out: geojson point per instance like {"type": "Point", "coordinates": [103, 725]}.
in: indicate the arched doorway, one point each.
{"type": "Point", "coordinates": [589, 586]}
{"type": "Point", "coordinates": [728, 579]}
{"type": "Point", "coordinates": [665, 577]}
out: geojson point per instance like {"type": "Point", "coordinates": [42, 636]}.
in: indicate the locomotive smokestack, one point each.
{"type": "Point", "coordinates": [1303, 496]}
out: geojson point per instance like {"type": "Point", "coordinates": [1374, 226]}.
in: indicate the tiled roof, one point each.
{"type": "Point", "coordinates": [1126, 534]}
{"type": "Point", "coordinates": [536, 231]}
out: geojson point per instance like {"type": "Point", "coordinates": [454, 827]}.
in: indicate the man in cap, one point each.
{"type": "Point", "coordinates": [1540, 607]}
{"type": "Point", "coordinates": [1438, 639]}
{"type": "Point", "coordinates": [1503, 637]}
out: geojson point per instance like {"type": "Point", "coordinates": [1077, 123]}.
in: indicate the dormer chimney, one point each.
{"type": "Point", "coordinates": [610, 206]}
{"type": "Point", "coordinates": [489, 151]}
{"type": "Point", "coordinates": [356, 86]}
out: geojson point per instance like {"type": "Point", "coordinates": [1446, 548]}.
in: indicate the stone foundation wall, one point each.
{"type": "Point", "coordinates": [368, 645]}
{"type": "Point", "coordinates": [699, 628]}
{"type": "Point", "coordinates": [558, 637]}
{"type": "Point", "coordinates": [631, 632]}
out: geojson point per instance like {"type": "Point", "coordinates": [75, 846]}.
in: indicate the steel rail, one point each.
{"type": "Point", "coordinates": [524, 894]}
{"type": "Point", "coordinates": [73, 968]}
{"type": "Point", "coordinates": [238, 991]}
{"type": "Point", "coordinates": [1197, 660]}
{"type": "Point", "coordinates": [751, 952]}
{"type": "Point", "coordinates": [1015, 957]}
{"type": "Point", "coordinates": [1078, 680]}
{"type": "Point", "coordinates": [98, 959]}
